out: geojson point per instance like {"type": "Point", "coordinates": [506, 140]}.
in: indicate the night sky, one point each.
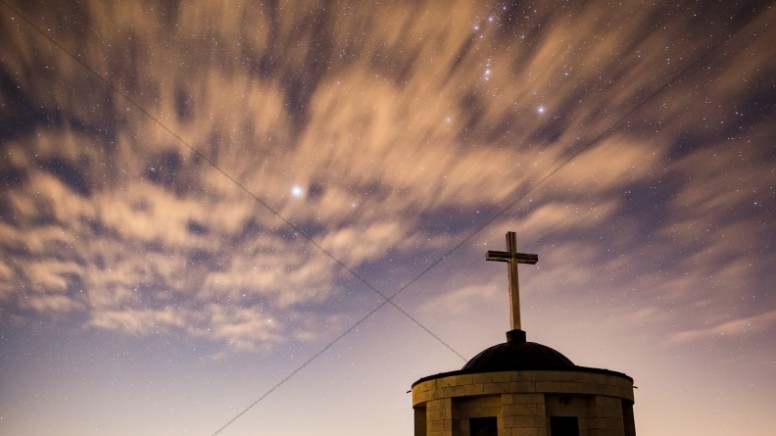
{"type": "Point", "coordinates": [206, 206]}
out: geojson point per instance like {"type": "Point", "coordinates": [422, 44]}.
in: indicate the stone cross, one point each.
{"type": "Point", "coordinates": [512, 257]}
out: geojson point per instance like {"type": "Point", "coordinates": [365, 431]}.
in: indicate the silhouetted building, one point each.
{"type": "Point", "coordinates": [521, 388]}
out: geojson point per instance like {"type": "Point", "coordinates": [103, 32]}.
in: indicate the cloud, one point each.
{"type": "Point", "coordinates": [462, 300]}
{"type": "Point", "coordinates": [402, 145]}
{"type": "Point", "coordinates": [49, 303]}
{"type": "Point", "coordinates": [137, 322]}
{"type": "Point", "coordinates": [567, 216]}
{"type": "Point", "coordinates": [735, 328]}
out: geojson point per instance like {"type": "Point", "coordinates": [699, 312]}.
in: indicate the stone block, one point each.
{"type": "Point", "coordinates": [466, 379]}
{"type": "Point", "coordinates": [574, 388]}
{"type": "Point", "coordinates": [549, 386]}
{"type": "Point", "coordinates": [521, 422]}
{"type": "Point", "coordinates": [446, 382]}
{"type": "Point", "coordinates": [528, 398]}
{"type": "Point", "coordinates": [493, 388]}
{"type": "Point", "coordinates": [501, 377]}
{"type": "Point", "coordinates": [474, 389]}
{"type": "Point", "coordinates": [521, 409]}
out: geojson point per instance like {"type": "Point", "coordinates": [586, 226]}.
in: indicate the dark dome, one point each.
{"type": "Point", "coordinates": [517, 354]}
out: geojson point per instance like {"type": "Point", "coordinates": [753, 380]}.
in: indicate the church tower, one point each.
{"type": "Point", "coordinates": [521, 388]}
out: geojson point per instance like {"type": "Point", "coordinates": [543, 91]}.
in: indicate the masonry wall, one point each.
{"type": "Point", "coordinates": [524, 401]}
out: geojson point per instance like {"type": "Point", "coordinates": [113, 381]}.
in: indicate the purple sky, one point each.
{"type": "Point", "coordinates": [204, 205]}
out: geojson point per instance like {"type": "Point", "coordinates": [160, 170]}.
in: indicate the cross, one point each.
{"type": "Point", "coordinates": [512, 257]}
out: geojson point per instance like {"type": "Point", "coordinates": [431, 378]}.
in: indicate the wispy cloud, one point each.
{"type": "Point", "coordinates": [735, 328]}
{"type": "Point", "coordinates": [402, 135]}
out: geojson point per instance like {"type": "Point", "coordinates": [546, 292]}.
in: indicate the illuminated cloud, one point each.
{"type": "Point", "coordinates": [732, 329]}
{"type": "Point", "coordinates": [396, 143]}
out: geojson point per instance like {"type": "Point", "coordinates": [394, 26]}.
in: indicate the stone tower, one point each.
{"type": "Point", "coordinates": [521, 388]}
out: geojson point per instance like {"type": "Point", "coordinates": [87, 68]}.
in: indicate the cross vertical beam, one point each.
{"type": "Point", "coordinates": [513, 258]}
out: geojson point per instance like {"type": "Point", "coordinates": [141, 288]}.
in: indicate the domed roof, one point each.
{"type": "Point", "coordinates": [517, 354]}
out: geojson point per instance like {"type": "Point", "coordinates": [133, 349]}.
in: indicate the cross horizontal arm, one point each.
{"type": "Point", "coordinates": [504, 256]}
